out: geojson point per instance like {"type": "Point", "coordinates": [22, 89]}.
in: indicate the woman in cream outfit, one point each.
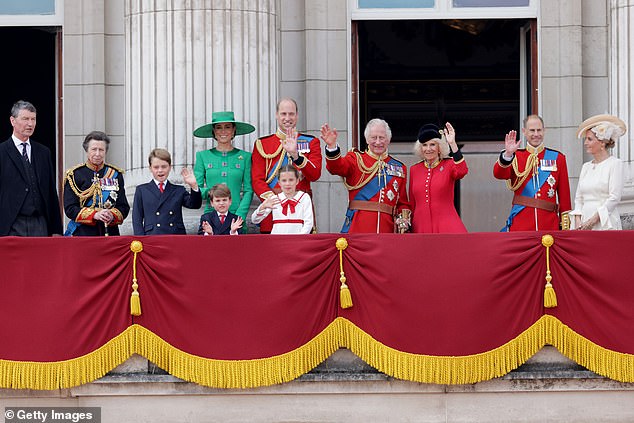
{"type": "Point", "coordinates": [601, 179]}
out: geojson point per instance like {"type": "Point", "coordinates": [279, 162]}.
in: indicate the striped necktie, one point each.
{"type": "Point", "coordinates": [24, 152]}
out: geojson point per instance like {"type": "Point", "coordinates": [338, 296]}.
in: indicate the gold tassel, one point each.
{"type": "Point", "coordinates": [345, 297]}
{"type": "Point", "coordinates": [135, 300]}
{"type": "Point", "coordinates": [550, 297]}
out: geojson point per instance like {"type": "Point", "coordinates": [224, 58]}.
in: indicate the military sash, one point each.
{"type": "Point", "coordinates": [272, 178]}
{"type": "Point", "coordinates": [531, 189]}
{"type": "Point", "coordinates": [368, 191]}
{"type": "Point", "coordinates": [109, 175]}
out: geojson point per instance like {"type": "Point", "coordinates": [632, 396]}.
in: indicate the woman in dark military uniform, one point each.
{"type": "Point", "coordinates": [94, 192]}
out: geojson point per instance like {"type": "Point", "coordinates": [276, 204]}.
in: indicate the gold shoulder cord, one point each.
{"type": "Point", "coordinates": [531, 167]}
{"type": "Point", "coordinates": [269, 158]}
{"type": "Point", "coordinates": [367, 172]}
{"type": "Point", "coordinates": [93, 191]}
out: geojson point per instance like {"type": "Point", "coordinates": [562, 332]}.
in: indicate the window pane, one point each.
{"type": "Point", "coordinates": [490, 3]}
{"type": "Point", "coordinates": [395, 4]}
{"type": "Point", "coordinates": [27, 7]}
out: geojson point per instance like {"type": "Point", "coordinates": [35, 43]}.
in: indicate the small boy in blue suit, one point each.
{"type": "Point", "coordinates": [158, 204]}
{"type": "Point", "coordinates": [220, 221]}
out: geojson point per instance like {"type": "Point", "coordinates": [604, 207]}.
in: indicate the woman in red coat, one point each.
{"type": "Point", "coordinates": [432, 181]}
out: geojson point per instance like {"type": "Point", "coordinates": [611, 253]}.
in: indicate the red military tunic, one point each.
{"type": "Point", "coordinates": [386, 189]}
{"type": "Point", "coordinates": [431, 195]}
{"type": "Point", "coordinates": [555, 189]}
{"type": "Point", "coordinates": [268, 156]}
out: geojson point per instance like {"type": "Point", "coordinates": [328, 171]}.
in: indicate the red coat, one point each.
{"type": "Point", "coordinates": [266, 159]}
{"type": "Point", "coordinates": [431, 196]}
{"type": "Point", "coordinates": [391, 189]}
{"type": "Point", "coordinates": [556, 191]}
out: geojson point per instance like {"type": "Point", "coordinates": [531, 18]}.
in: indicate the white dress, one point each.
{"type": "Point", "coordinates": [298, 222]}
{"type": "Point", "coordinates": [599, 190]}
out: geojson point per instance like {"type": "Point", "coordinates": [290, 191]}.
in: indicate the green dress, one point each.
{"type": "Point", "coordinates": [232, 168]}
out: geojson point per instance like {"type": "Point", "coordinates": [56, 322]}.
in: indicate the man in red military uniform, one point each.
{"type": "Point", "coordinates": [376, 182]}
{"type": "Point", "coordinates": [283, 147]}
{"type": "Point", "coordinates": [539, 178]}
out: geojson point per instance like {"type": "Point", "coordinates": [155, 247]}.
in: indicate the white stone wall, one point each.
{"type": "Point", "coordinates": [313, 70]}
{"type": "Point", "coordinates": [93, 67]}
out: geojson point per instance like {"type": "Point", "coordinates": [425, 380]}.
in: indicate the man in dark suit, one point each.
{"type": "Point", "coordinates": [158, 204]}
{"type": "Point", "coordinates": [29, 205]}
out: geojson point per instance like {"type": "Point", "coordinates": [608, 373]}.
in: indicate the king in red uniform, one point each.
{"type": "Point", "coordinates": [286, 146]}
{"type": "Point", "coordinates": [376, 182]}
{"type": "Point", "coordinates": [539, 178]}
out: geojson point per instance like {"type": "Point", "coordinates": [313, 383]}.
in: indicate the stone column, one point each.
{"type": "Point", "coordinates": [621, 91]}
{"type": "Point", "coordinates": [187, 58]}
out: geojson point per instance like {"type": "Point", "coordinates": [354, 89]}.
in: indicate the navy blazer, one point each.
{"type": "Point", "coordinates": [14, 185]}
{"type": "Point", "coordinates": [214, 221]}
{"type": "Point", "coordinates": [161, 213]}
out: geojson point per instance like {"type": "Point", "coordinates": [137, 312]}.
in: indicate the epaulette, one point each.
{"type": "Point", "coordinates": [397, 160]}
{"type": "Point", "coordinates": [267, 136]}
{"type": "Point", "coordinates": [118, 169]}
{"type": "Point", "coordinates": [73, 169]}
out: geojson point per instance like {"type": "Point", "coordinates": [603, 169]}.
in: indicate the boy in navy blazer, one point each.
{"type": "Point", "coordinates": [220, 221]}
{"type": "Point", "coordinates": [158, 204]}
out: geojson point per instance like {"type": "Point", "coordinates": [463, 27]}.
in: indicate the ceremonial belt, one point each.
{"type": "Point", "coordinates": [535, 203]}
{"type": "Point", "coordinates": [371, 206]}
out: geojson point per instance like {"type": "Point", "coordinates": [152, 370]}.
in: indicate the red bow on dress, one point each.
{"type": "Point", "coordinates": [289, 202]}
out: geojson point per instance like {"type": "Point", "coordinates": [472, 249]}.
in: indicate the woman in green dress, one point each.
{"type": "Point", "coordinates": [225, 163]}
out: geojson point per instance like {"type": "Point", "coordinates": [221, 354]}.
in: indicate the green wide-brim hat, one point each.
{"type": "Point", "coordinates": [207, 131]}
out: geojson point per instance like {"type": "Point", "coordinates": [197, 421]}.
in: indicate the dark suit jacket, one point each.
{"type": "Point", "coordinates": [156, 213]}
{"type": "Point", "coordinates": [214, 221]}
{"type": "Point", "coordinates": [14, 185]}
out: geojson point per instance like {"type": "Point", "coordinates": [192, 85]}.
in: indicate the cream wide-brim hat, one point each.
{"type": "Point", "coordinates": [607, 120]}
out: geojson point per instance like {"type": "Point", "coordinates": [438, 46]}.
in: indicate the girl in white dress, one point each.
{"type": "Point", "coordinates": [292, 209]}
{"type": "Point", "coordinates": [601, 179]}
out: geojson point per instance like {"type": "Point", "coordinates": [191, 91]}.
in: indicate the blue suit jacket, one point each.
{"type": "Point", "coordinates": [214, 221]}
{"type": "Point", "coordinates": [156, 213]}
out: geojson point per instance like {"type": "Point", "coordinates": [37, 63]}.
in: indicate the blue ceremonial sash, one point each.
{"type": "Point", "coordinates": [274, 169]}
{"type": "Point", "coordinates": [530, 190]}
{"type": "Point", "coordinates": [368, 191]}
{"type": "Point", "coordinates": [303, 143]}
{"type": "Point", "coordinates": [73, 225]}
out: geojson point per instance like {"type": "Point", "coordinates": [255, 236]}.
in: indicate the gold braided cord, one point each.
{"type": "Point", "coordinates": [93, 191]}
{"type": "Point", "coordinates": [258, 146]}
{"type": "Point", "coordinates": [269, 158]}
{"type": "Point", "coordinates": [367, 172]}
{"type": "Point", "coordinates": [531, 166]}
{"type": "Point", "coordinates": [548, 330]}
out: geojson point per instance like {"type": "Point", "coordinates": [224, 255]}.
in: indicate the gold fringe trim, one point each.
{"type": "Point", "coordinates": [498, 362]}
{"type": "Point", "coordinates": [240, 373]}
{"type": "Point", "coordinates": [289, 366]}
{"type": "Point", "coordinates": [67, 373]}
{"type": "Point", "coordinates": [611, 364]}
